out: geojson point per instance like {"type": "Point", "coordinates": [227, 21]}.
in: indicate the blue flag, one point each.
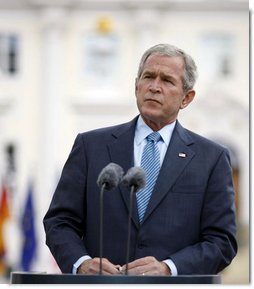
{"type": "Point", "coordinates": [28, 231]}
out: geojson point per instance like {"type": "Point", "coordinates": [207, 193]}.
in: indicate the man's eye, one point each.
{"type": "Point", "coordinates": [169, 81]}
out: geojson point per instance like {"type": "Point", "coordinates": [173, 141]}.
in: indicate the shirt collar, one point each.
{"type": "Point", "coordinates": [143, 130]}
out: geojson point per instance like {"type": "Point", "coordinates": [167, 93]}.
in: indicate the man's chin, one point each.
{"type": "Point", "coordinates": [151, 114]}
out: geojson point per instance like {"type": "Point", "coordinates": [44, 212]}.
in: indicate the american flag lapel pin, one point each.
{"type": "Point", "coordinates": [182, 155]}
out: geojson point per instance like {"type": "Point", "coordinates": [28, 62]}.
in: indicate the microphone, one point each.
{"type": "Point", "coordinates": [108, 179]}
{"type": "Point", "coordinates": [134, 180]}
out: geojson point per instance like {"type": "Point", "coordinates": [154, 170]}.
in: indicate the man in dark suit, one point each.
{"type": "Point", "coordinates": [189, 224]}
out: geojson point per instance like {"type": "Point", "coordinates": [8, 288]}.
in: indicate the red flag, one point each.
{"type": "Point", "coordinates": [4, 215]}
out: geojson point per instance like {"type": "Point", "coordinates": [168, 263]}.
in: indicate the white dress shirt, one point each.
{"type": "Point", "coordinates": [142, 131]}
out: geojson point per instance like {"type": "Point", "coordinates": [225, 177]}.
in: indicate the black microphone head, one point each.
{"type": "Point", "coordinates": [134, 177]}
{"type": "Point", "coordinates": [110, 176]}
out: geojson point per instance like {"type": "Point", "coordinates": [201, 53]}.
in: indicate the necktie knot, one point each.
{"type": "Point", "coordinates": [154, 136]}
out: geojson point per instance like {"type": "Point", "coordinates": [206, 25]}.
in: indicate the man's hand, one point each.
{"type": "Point", "coordinates": [92, 267]}
{"type": "Point", "coordinates": [148, 266]}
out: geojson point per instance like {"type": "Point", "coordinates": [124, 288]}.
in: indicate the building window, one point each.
{"type": "Point", "coordinates": [217, 55]}
{"type": "Point", "coordinates": [8, 54]}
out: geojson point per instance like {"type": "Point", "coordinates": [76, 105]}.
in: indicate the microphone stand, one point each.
{"type": "Point", "coordinates": [101, 226]}
{"type": "Point", "coordinates": [129, 229]}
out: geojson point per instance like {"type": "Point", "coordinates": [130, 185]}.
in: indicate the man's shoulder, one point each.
{"type": "Point", "coordinates": [110, 130]}
{"type": "Point", "coordinates": [201, 140]}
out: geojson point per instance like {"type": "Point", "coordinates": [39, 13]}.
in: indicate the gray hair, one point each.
{"type": "Point", "coordinates": [190, 70]}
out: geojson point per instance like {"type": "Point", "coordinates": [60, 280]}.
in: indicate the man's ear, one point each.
{"type": "Point", "coordinates": [189, 96]}
{"type": "Point", "coordinates": [136, 86]}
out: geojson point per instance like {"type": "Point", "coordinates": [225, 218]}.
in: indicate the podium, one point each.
{"type": "Point", "coordinates": [43, 278]}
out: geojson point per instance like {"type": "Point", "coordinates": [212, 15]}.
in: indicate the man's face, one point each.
{"type": "Point", "coordinates": [159, 90]}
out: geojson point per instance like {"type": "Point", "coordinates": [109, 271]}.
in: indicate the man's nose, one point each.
{"type": "Point", "coordinates": [155, 85]}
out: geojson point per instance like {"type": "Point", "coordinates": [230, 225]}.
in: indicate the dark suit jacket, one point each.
{"type": "Point", "coordinates": [190, 217]}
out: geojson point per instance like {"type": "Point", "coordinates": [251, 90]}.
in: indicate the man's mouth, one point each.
{"type": "Point", "coordinates": [152, 100]}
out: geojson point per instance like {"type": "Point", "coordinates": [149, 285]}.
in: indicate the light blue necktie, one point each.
{"type": "Point", "coordinates": [150, 162]}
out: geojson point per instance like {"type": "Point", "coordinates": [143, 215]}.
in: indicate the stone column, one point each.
{"type": "Point", "coordinates": [51, 120]}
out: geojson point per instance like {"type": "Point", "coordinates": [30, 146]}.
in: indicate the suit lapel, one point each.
{"type": "Point", "coordinates": [178, 155]}
{"type": "Point", "coordinates": [121, 146]}
{"type": "Point", "coordinates": [122, 152]}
